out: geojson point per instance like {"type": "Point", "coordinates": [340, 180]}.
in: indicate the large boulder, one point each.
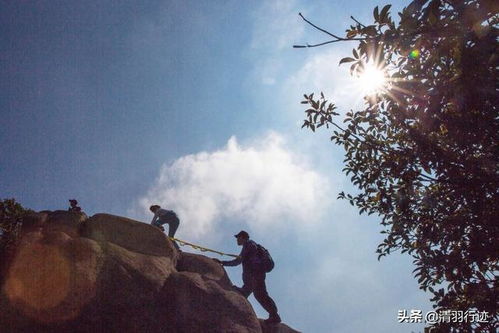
{"type": "Point", "coordinates": [59, 220]}
{"type": "Point", "coordinates": [52, 277]}
{"type": "Point", "coordinates": [129, 234]}
{"type": "Point", "coordinates": [58, 280]}
{"type": "Point", "coordinates": [206, 267]}
{"type": "Point", "coordinates": [130, 279]}
{"type": "Point", "coordinates": [194, 304]}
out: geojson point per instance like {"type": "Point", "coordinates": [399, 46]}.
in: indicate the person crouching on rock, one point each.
{"type": "Point", "coordinates": [73, 206]}
{"type": "Point", "coordinates": [253, 277]}
{"type": "Point", "coordinates": [163, 216]}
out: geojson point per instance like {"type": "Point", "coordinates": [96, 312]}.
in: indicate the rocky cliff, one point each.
{"type": "Point", "coordinates": [107, 273]}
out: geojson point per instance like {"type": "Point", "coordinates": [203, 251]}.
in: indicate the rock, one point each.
{"type": "Point", "coordinates": [59, 282]}
{"type": "Point", "coordinates": [34, 220]}
{"type": "Point", "coordinates": [193, 304]}
{"type": "Point", "coordinates": [276, 328]}
{"type": "Point", "coordinates": [206, 267]}
{"type": "Point", "coordinates": [59, 220]}
{"type": "Point", "coordinates": [131, 277]}
{"type": "Point", "coordinates": [53, 276]}
{"type": "Point", "coordinates": [129, 234]}
{"type": "Point", "coordinates": [112, 274]}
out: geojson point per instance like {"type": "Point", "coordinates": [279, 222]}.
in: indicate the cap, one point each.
{"type": "Point", "coordinates": [73, 200]}
{"type": "Point", "coordinates": [242, 233]}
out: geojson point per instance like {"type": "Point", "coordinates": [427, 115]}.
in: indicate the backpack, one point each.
{"type": "Point", "coordinates": [265, 261]}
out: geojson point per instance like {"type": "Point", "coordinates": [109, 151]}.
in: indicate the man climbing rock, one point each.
{"type": "Point", "coordinates": [164, 216]}
{"type": "Point", "coordinates": [253, 276]}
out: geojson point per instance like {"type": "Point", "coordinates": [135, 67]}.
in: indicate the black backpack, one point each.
{"type": "Point", "coordinates": [265, 261]}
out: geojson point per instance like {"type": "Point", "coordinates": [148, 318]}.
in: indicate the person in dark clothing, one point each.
{"type": "Point", "coordinates": [163, 216]}
{"type": "Point", "coordinates": [253, 277]}
{"type": "Point", "coordinates": [74, 206]}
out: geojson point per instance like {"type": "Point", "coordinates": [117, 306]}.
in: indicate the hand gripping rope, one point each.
{"type": "Point", "coordinates": [200, 248]}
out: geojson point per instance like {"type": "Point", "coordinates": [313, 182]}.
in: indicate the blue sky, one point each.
{"type": "Point", "coordinates": [195, 105]}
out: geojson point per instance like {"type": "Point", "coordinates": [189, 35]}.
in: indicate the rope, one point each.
{"type": "Point", "coordinates": [200, 248]}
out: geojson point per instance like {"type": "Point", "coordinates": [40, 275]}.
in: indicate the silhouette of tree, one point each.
{"type": "Point", "coordinates": [11, 215]}
{"type": "Point", "coordinates": [424, 152]}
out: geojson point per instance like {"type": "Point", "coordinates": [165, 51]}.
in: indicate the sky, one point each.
{"type": "Point", "coordinates": [195, 106]}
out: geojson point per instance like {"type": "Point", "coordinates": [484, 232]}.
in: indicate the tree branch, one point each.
{"type": "Point", "coordinates": [337, 39]}
{"type": "Point", "coordinates": [353, 18]}
{"type": "Point", "coordinates": [320, 29]}
{"type": "Point", "coordinates": [315, 45]}
{"type": "Point", "coordinates": [383, 149]}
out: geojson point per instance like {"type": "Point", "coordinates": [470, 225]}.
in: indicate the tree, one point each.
{"type": "Point", "coordinates": [424, 152]}
{"type": "Point", "coordinates": [11, 216]}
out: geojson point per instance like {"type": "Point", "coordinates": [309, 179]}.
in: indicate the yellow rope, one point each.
{"type": "Point", "coordinates": [200, 248]}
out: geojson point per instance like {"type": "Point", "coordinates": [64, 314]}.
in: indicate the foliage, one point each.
{"type": "Point", "coordinates": [424, 152]}
{"type": "Point", "coordinates": [11, 215]}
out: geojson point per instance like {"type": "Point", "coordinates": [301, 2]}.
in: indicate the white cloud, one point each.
{"type": "Point", "coordinates": [263, 185]}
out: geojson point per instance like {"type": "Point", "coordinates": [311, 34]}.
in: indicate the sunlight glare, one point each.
{"type": "Point", "coordinates": [372, 79]}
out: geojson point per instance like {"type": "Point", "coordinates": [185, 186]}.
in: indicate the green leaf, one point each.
{"type": "Point", "coordinates": [353, 67]}
{"type": "Point", "coordinates": [347, 59]}
{"type": "Point", "coordinates": [351, 33]}
{"type": "Point", "coordinates": [370, 30]}
{"type": "Point", "coordinates": [384, 12]}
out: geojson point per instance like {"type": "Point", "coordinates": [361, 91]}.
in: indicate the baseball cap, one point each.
{"type": "Point", "coordinates": [242, 233]}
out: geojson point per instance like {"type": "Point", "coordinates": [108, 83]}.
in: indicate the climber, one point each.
{"type": "Point", "coordinates": [253, 276]}
{"type": "Point", "coordinates": [74, 206]}
{"type": "Point", "coordinates": [163, 216]}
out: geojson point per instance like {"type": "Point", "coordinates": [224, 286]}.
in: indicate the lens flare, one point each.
{"type": "Point", "coordinates": [39, 278]}
{"type": "Point", "coordinates": [414, 54]}
{"type": "Point", "coordinates": [52, 279]}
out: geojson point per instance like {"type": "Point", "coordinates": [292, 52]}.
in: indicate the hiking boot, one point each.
{"type": "Point", "coordinates": [273, 319]}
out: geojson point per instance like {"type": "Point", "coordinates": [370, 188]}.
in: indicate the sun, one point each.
{"type": "Point", "coordinates": [372, 79]}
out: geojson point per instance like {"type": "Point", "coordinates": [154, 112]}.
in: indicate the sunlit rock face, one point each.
{"type": "Point", "coordinates": [107, 273]}
{"type": "Point", "coordinates": [53, 276]}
